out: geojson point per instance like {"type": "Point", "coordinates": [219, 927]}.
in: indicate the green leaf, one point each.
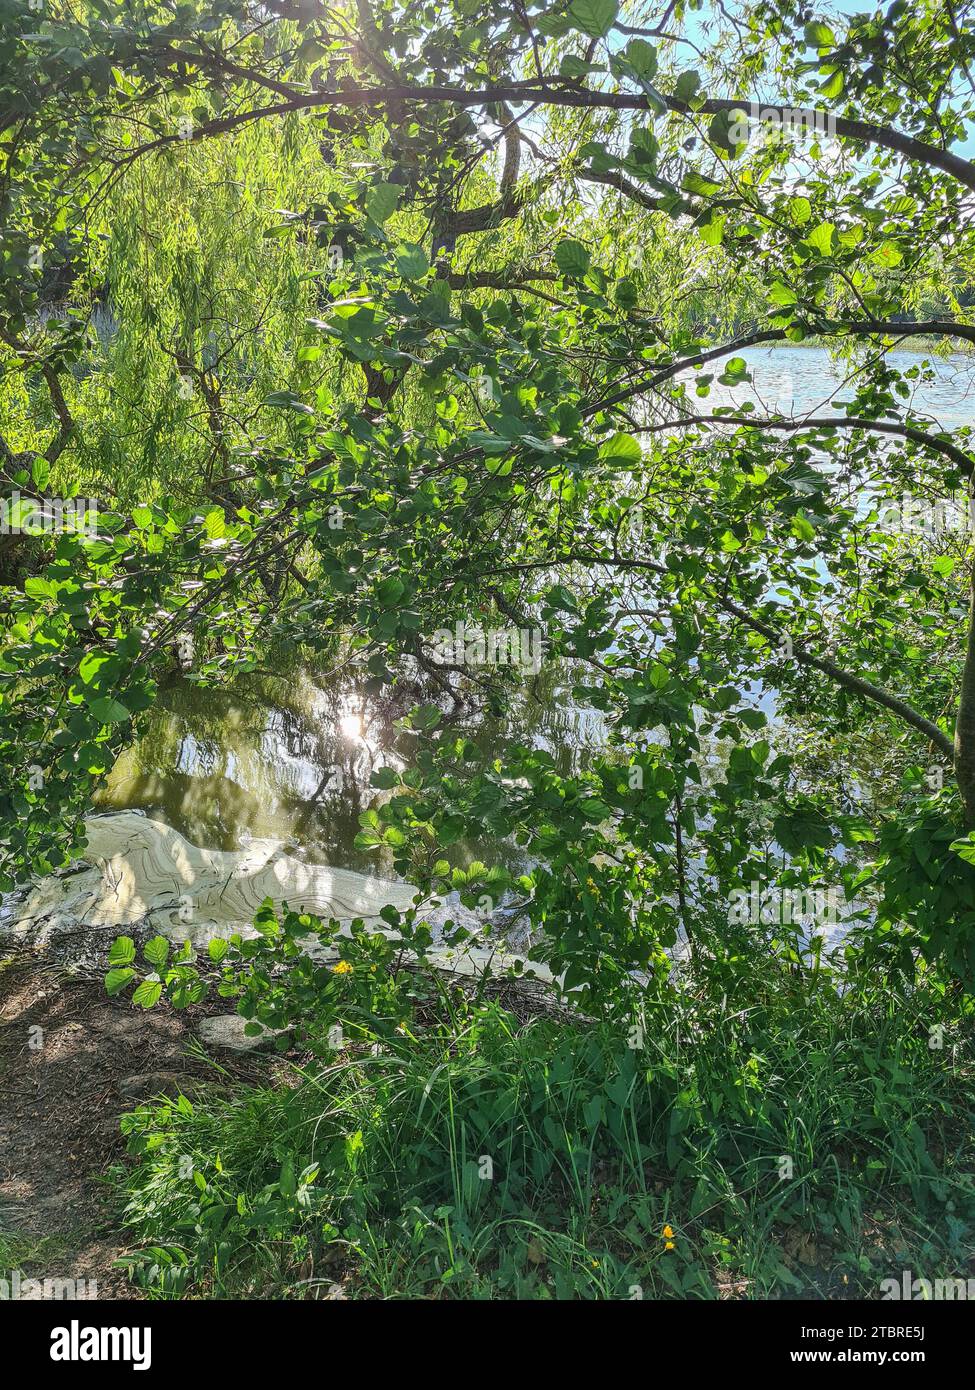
{"type": "Point", "coordinates": [965, 848]}
{"type": "Point", "coordinates": [156, 952]}
{"type": "Point", "coordinates": [572, 258]}
{"type": "Point", "coordinates": [727, 130]}
{"type": "Point", "coordinates": [382, 201]}
{"type": "Point", "coordinates": [781, 294]}
{"type": "Point", "coordinates": [800, 210]}
{"type": "Point", "coordinates": [109, 711]}
{"type": "Point", "coordinates": [39, 588]}
{"type": "Point", "coordinates": [625, 293]}
{"type": "Point", "coordinates": [687, 85]}
{"type": "Point", "coordinates": [888, 255]}
{"type": "Point", "coordinates": [735, 372]}
{"type": "Point", "coordinates": [121, 951]}
{"type": "Point", "coordinates": [215, 523]}
{"type": "Point", "coordinates": [819, 35]}
{"type": "Point", "coordinates": [621, 447]}
{"type": "Point", "coordinates": [189, 989]}
{"type": "Point", "coordinates": [390, 591]}
{"type": "Point", "coordinates": [801, 828]}
{"type": "Point", "coordinates": [286, 1181]}
{"type": "Point", "coordinates": [147, 993]}
{"type": "Point", "coordinates": [821, 238]}
{"type": "Point", "coordinates": [642, 57]}
{"type": "Point", "coordinates": [289, 401]}
{"type": "Point", "coordinates": [696, 183]}
{"type": "Point", "coordinates": [712, 231]}
{"type": "Point", "coordinates": [116, 980]}
{"type": "Point", "coordinates": [593, 17]}
{"type": "Point", "coordinates": [412, 262]}
{"type": "Point", "coordinates": [91, 665]}
{"type": "Point", "coordinates": [426, 717]}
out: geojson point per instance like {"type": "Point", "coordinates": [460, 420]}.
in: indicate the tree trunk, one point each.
{"type": "Point", "coordinates": [965, 724]}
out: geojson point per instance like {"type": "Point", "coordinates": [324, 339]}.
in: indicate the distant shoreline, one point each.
{"type": "Point", "coordinates": [920, 345]}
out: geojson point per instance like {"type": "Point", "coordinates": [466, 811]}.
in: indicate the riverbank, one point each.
{"type": "Point", "coordinates": [782, 1140]}
{"type": "Point", "coordinates": [752, 1131]}
{"type": "Point", "coordinates": [142, 877]}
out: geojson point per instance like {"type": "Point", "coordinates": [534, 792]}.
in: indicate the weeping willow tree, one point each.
{"type": "Point", "coordinates": [365, 322]}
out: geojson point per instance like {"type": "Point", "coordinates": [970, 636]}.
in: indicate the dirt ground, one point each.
{"type": "Point", "coordinates": [72, 1060]}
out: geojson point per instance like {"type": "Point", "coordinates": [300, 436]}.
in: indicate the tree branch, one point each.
{"type": "Point", "coordinates": [558, 91]}
{"type": "Point", "coordinates": [844, 422]}
{"type": "Point", "coordinates": [856, 684]}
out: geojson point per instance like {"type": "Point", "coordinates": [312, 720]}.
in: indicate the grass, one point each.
{"type": "Point", "coordinates": [784, 1139]}
{"type": "Point", "coordinates": [22, 1251]}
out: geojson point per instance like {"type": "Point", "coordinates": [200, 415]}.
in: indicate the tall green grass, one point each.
{"type": "Point", "coordinates": [780, 1139]}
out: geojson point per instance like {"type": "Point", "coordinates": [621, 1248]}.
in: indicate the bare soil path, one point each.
{"type": "Point", "coordinates": [72, 1060]}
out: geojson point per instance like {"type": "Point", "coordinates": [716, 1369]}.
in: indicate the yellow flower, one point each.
{"type": "Point", "coordinates": [668, 1232]}
{"type": "Point", "coordinates": [343, 968]}
{"type": "Point", "coordinates": [668, 1245]}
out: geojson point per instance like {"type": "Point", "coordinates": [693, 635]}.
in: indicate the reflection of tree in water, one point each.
{"type": "Point", "coordinates": [290, 758]}
{"type": "Point", "coordinates": [544, 714]}
{"type": "Point", "coordinates": [266, 757]}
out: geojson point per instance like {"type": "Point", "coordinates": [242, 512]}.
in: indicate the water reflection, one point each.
{"type": "Point", "coordinates": [290, 758]}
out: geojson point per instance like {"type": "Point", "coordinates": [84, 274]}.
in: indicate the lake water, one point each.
{"type": "Point", "coordinates": [289, 756]}
{"type": "Point", "coordinates": [795, 380]}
